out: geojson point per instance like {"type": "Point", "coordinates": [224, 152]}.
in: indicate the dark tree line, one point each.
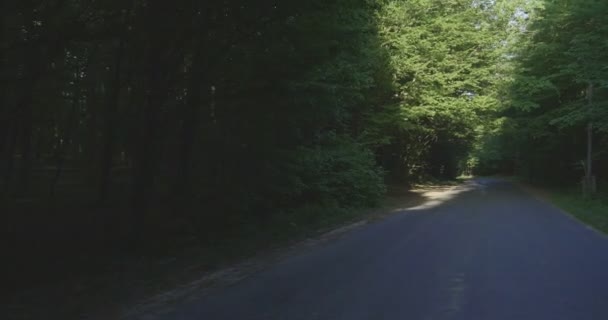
{"type": "Point", "coordinates": [233, 106]}
{"type": "Point", "coordinates": [122, 116]}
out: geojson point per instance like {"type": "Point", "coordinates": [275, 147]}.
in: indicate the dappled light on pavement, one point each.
{"type": "Point", "coordinates": [437, 197]}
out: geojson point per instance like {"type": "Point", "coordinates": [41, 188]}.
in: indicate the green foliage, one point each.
{"type": "Point", "coordinates": [248, 110]}
{"type": "Point", "coordinates": [593, 212]}
{"type": "Point", "coordinates": [444, 58]}
{"type": "Point", "coordinates": [232, 119]}
{"type": "Point", "coordinates": [340, 171]}
{"type": "Point", "coordinates": [559, 54]}
{"type": "Point", "coordinates": [238, 107]}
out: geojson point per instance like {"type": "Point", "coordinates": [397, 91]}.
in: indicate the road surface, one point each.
{"type": "Point", "coordinates": [490, 252]}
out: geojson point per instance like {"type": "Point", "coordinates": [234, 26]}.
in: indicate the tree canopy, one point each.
{"type": "Point", "coordinates": [248, 107]}
{"type": "Point", "coordinates": [127, 122]}
{"type": "Point", "coordinates": [556, 90]}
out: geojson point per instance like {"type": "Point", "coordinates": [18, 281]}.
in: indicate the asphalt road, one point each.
{"type": "Point", "coordinates": [490, 253]}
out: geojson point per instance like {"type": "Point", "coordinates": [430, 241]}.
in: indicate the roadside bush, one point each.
{"type": "Point", "coordinates": [338, 171]}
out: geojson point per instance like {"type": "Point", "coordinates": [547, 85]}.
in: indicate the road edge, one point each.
{"type": "Point", "coordinates": [541, 195]}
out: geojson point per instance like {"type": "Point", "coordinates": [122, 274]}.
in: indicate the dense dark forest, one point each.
{"type": "Point", "coordinates": [121, 117]}
{"type": "Point", "coordinates": [127, 126]}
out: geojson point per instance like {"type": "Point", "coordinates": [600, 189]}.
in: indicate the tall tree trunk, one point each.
{"type": "Point", "coordinates": [157, 65]}
{"type": "Point", "coordinates": [110, 123]}
{"type": "Point", "coordinates": [199, 89]}
{"type": "Point", "coordinates": [198, 96]}
{"type": "Point", "coordinates": [146, 155]}
{"type": "Point", "coordinates": [6, 141]}
{"type": "Point", "coordinates": [26, 131]}
{"type": "Point", "coordinates": [9, 156]}
{"type": "Point", "coordinates": [590, 185]}
{"type": "Point", "coordinates": [67, 135]}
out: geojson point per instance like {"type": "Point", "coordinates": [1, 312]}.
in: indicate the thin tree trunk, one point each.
{"type": "Point", "coordinates": [198, 94]}
{"type": "Point", "coordinates": [146, 155]}
{"type": "Point", "coordinates": [6, 134]}
{"type": "Point", "coordinates": [590, 186]}
{"type": "Point", "coordinates": [110, 122]}
{"type": "Point", "coordinates": [9, 155]}
{"type": "Point", "coordinates": [67, 137]}
{"type": "Point", "coordinates": [26, 121]}
{"type": "Point", "coordinates": [589, 151]}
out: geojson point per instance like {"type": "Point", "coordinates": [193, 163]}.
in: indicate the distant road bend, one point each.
{"type": "Point", "coordinates": [491, 252]}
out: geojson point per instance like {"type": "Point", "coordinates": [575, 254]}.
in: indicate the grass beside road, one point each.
{"type": "Point", "coordinates": [592, 211]}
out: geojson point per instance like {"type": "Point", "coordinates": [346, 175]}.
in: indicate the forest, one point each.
{"type": "Point", "coordinates": [145, 126]}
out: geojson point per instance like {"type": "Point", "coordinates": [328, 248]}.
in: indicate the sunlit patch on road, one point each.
{"type": "Point", "coordinates": [436, 198]}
